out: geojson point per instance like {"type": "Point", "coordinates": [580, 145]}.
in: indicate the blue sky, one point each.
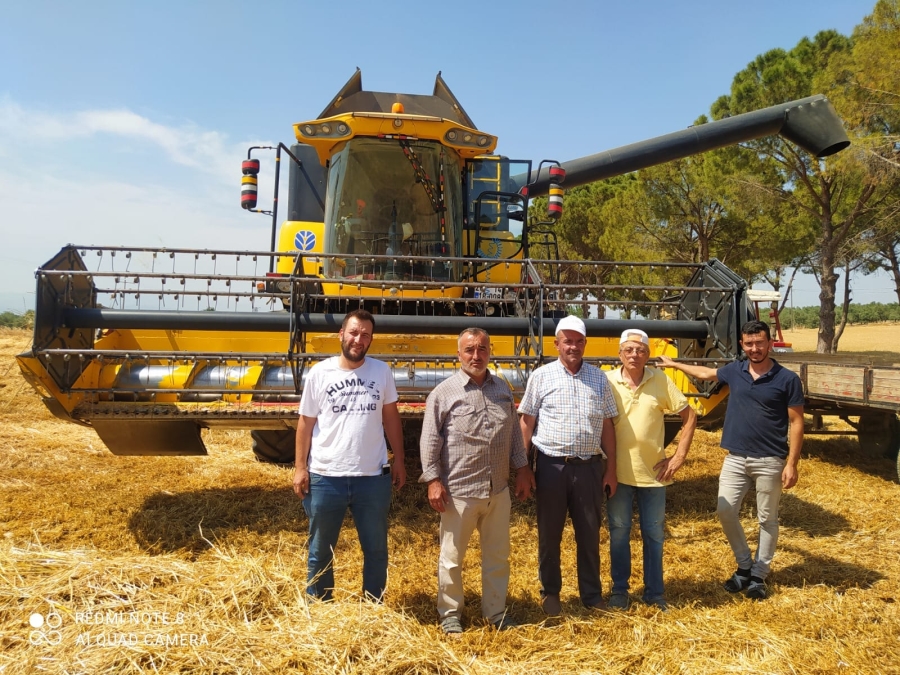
{"type": "Point", "coordinates": [125, 123]}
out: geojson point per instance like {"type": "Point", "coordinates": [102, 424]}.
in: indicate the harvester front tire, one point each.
{"type": "Point", "coordinates": [274, 447]}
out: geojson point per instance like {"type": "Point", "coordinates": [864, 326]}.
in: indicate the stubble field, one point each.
{"type": "Point", "coordinates": [197, 565]}
{"type": "Point", "coordinates": [876, 337]}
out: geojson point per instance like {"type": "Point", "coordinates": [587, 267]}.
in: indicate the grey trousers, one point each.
{"type": "Point", "coordinates": [738, 475]}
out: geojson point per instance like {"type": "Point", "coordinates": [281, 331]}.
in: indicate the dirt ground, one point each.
{"type": "Point", "coordinates": [197, 565]}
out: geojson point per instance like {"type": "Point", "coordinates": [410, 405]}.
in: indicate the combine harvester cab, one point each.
{"type": "Point", "coordinates": [397, 204]}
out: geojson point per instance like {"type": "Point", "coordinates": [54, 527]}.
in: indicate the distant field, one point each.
{"type": "Point", "coordinates": [878, 337]}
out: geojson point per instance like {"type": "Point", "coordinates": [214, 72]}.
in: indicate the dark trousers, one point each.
{"type": "Point", "coordinates": [576, 490]}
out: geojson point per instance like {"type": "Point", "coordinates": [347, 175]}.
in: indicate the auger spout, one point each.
{"type": "Point", "coordinates": [810, 122]}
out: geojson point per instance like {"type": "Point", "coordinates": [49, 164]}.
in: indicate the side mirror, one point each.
{"type": "Point", "coordinates": [515, 212]}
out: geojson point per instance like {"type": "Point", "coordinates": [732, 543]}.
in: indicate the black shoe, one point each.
{"type": "Point", "coordinates": [505, 623]}
{"type": "Point", "coordinates": [757, 590]}
{"type": "Point", "coordinates": [619, 601]}
{"type": "Point", "coordinates": [660, 604]}
{"type": "Point", "coordinates": [738, 582]}
{"type": "Point", "coordinates": [551, 605]}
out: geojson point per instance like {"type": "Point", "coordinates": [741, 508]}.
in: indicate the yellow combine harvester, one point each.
{"type": "Point", "coordinates": [398, 204]}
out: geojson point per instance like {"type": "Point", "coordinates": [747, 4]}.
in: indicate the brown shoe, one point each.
{"type": "Point", "coordinates": [599, 606]}
{"type": "Point", "coordinates": [550, 605]}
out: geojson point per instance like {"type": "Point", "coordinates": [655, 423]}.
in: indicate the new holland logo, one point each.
{"type": "Point", "coordinates": [305, 240]}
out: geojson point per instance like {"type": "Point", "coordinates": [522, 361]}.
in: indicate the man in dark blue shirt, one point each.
{"type": "Point", "coordinates": [763, 435]}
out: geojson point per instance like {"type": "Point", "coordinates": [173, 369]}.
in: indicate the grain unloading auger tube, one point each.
{"type": "Point", "coordinates": [148, 346]}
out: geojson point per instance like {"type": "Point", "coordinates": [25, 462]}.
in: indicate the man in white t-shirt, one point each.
{"type": "Point", "coordinates": [349, 403]}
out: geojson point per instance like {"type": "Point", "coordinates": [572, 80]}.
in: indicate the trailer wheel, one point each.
{"type": "Point", "coordinates": [274, 447]}
{"type": "Point", "coordinates": [879, 432]}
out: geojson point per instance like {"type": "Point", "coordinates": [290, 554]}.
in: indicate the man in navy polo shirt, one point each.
{"type": "Point", "coordinates": [763, 435]}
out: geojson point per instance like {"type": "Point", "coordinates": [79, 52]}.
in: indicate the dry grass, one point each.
{"type": "Point", "coordinates": [169, 550]}
{"type": "Point", "coordinates": [871, 338]}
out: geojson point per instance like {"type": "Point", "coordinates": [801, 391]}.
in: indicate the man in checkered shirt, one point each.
{"type": "Point", "coordinates": [567, 414]}
{"type": "Point", "coordinates": [470, 437]}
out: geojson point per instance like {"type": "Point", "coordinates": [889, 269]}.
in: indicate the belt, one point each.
{"type": "Point", "coordinates": [572, 459]}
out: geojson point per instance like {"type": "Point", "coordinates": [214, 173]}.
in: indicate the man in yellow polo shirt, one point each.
{"type": "Point", "coordinates": [643, 396]}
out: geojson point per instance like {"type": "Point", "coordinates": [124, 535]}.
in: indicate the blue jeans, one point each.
{"type": "Point", "coordinates": [326, 504]}
{"type": "Point", "coordinates": [651, 503]}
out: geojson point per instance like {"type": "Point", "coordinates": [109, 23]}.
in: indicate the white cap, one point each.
{"type": "Point", "coordinates": [571, 323]}
{"type": "Point", "coordinates": [634, 335]}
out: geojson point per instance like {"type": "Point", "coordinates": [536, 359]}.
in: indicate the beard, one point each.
{"type": "Point", "coordinates": [474, 371]}
{"type": "Point", "coordinates": [351, 356]}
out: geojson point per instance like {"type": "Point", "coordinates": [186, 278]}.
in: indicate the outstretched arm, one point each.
{"type": "Point", "coordinates": [697, 372]}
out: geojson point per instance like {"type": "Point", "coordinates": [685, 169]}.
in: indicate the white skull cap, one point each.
{"type": "Point", "coordinates": [634, 335]}
{"type": "Point", "coordinates": [571, 323]}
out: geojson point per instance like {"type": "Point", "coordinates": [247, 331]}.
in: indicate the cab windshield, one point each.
{"type": "Point", "coordinates": [390, 198]}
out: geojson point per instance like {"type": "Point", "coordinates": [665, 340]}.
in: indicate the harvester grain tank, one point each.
{"type": "Point", "coordinates": [398, 204]}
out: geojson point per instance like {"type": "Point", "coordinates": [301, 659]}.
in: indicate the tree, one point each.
{"type": "Point", "coordinates": [835, 197]}
{"type": "Point", "coordinates": [887, 247]}
{"type": "Point", "coordinates": [685, 211]}
{"type": "Point", "coordinates": [868, 91]}
{"type": "Point", "coordinates": [868, 81]}
{"type": "Point", "coordinates": [581, 229]}
{"type": "Point", "coordinates": [580, 233]}
{"type": "Point", "coordinates": [703, 207]}
{"type": "Point", "coordinates": [13, 320]}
